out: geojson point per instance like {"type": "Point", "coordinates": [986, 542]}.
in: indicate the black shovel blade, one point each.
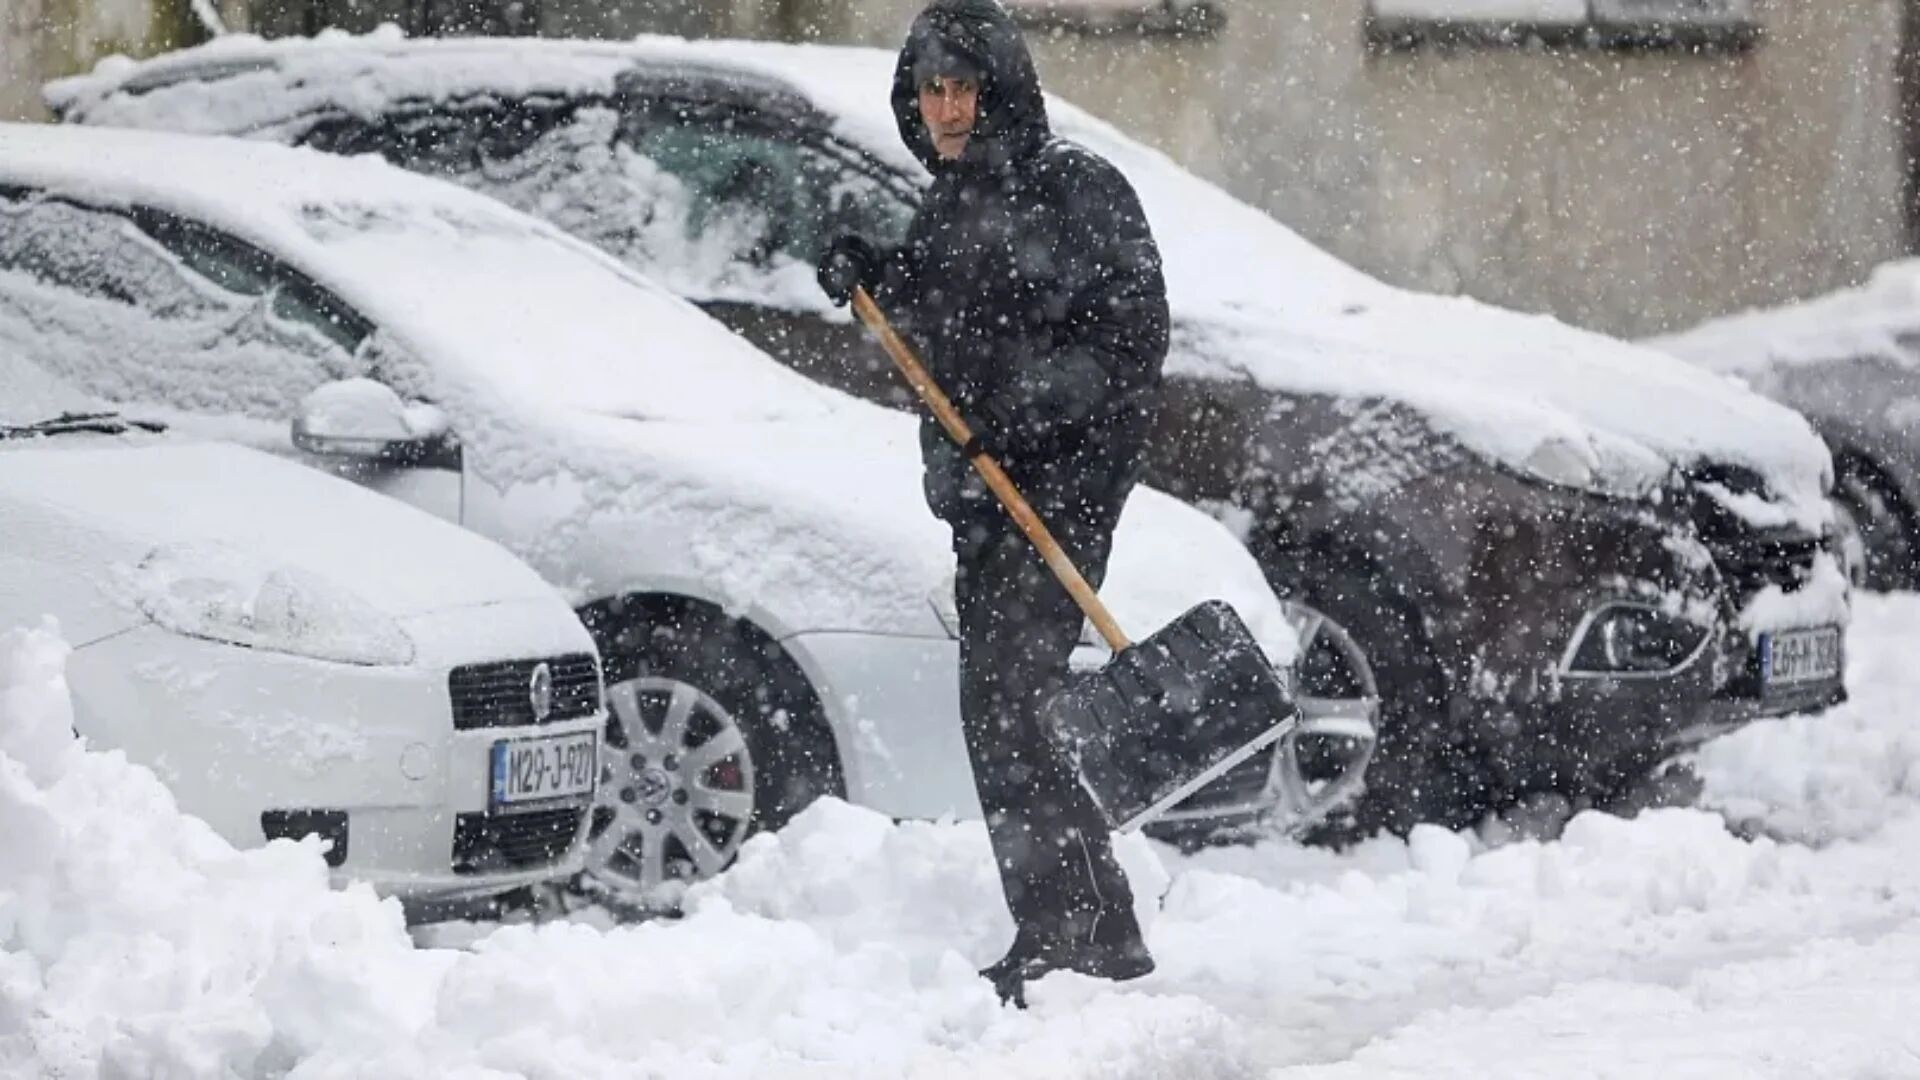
{"type": "Point", "coordinates": [1172, 713]}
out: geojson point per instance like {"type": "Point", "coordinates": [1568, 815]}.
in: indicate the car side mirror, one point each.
{"type": "Point", "coordinates": [366, 420]}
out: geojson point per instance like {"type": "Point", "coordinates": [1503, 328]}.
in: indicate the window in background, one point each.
{"type": "Point", "coordinates": [1111, 16]}
{"type": "Point", "coordinates": [1698, 25]}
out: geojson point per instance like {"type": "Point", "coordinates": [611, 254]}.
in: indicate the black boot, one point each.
{"type": "Point", "coordinates": [1114, 950]}
{"type": "Point", "coordinates": [1006, 973]}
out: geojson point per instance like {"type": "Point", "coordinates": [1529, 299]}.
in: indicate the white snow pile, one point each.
{"type": "Point", "coordinates": [223, 591]}
{"type": "Point", "coordinates": [135, 943]}
{"type": "Point", "coordinates": [1844, 774]}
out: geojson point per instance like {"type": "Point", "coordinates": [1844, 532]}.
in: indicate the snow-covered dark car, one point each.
{"type": "Point", "coordinates": [1850, 363]}
{"type": "Point", "coordinates": [1560, 557]}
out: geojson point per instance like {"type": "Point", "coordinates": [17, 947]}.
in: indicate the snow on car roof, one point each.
{"type": "Point", "coordinates": [1250, 297]}
{"type": "Point", "coordinates": [1879, 319]}
{"type": "Point", "coordinates": [457, 275]}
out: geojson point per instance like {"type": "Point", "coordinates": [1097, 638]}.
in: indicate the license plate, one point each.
{"type": "Point", "coordinates": [1798, 656]}
{"type": "Point", "coordinates": [528, 772]}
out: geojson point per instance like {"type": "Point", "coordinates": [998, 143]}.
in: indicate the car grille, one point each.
{"type": "Point", "coordinates": [492, 844]}
{"type": "Point", "coordinates": [501, 694]}
{"type": "Point", "coordinates": [1753, 565]}
{"type": "Point", "coordinates": [1748, 560]}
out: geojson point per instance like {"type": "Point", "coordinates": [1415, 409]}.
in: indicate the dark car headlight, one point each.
{"type": "Point", "coordinates": [1636, 639]}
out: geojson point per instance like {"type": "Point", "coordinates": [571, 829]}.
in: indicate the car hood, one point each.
{"type": "Point", "coordinates": [179, 505]}
{"type": "Point", "coordinates": [823, 521]}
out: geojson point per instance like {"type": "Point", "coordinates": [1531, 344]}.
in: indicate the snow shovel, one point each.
{"type": "Point", "coordinates": [1167, 715]}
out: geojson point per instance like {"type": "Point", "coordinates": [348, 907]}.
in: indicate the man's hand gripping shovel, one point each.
{"type": "Point", "coordinates": [1167, 715]}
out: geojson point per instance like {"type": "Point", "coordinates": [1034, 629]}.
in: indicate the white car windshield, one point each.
{"type": "Point", "coordinates": [37, 404]}
{"type": "Point", "coordinates": [538, 318]}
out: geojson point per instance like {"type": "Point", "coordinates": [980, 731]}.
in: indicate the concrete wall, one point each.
{"type": "Point", "coordinates": [1629, 192]}
{"type": "Point", "coordinates": [45, 39]}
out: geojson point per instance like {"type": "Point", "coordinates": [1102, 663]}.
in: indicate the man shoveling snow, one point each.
{"type": "Point", "coordinates": [1034, 284]}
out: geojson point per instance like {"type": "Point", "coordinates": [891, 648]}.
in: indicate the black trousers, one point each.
{"type": "Point", "coordinates": [1018, 626]}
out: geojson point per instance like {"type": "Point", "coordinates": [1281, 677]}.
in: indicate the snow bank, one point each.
{"type": "Point", "coordinates": [857, 877]}
{"type": "Point", "coordinates": [1843, 774]}
{"type": "Point", "coordinates": [133, 942]}
{"type": "Point", "coordinates": [136, 942]}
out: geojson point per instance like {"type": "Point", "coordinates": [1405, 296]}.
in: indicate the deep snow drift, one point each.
{"type": "Point", "coordinates": [134, 942]}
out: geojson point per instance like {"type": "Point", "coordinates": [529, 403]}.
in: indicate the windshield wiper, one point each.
{"type": "Point", "coordinates": [103, 423]}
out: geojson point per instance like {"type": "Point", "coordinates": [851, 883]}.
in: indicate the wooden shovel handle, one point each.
{"type": "Point", "coordinates": [990, 470]}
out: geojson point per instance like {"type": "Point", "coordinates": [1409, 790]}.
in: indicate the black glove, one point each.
{"type": "Point", "coordinates": [995, 425]}
{"type": "Point", "coordinates": [849, 262]}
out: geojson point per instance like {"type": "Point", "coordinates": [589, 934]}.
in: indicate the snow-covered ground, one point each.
{"type": "Point", "coordinates": [133, 942]}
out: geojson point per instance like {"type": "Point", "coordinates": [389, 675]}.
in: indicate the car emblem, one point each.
{"type": "Point", "coordinates": [654, 787]}
{"type": "Point", "coordinates": [540, 691]}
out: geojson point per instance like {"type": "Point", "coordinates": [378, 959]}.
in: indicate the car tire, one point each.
{"type": "Point", "coordinates": [712, 736]}
{"type": "Point", "coordinates": [1423, 769]}
{"type": "Point", "coordinates": [1876, 525]}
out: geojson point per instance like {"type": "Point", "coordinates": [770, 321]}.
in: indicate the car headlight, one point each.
{"type": "Point", "coordinates": [1636, 639]}
{"type": "Point", "coordinates": [222, 594]}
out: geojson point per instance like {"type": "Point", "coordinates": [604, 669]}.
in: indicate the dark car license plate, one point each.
{"type": "Point", "coordinates": [1790, 657]}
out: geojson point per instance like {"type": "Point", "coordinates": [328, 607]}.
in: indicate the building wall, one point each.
{"type": "Point", "coordinates": [45, 39]}
{"type": "Point", "coordinates": [1627, 191]}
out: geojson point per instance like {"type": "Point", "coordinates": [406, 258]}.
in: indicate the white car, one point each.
{"type": "Point", "coordinates": [296, 656]}
{"type": "Point", "coordinates": [752, 552]}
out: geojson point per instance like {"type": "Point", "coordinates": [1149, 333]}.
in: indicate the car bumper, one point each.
{"type": "Point", "coordinates": [1588, 732]}
{"type": "Point", "coordinates": [250, 741]}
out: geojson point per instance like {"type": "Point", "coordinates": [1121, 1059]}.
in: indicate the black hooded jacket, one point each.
{"type": "Point", "coordinates": [1029, 276]}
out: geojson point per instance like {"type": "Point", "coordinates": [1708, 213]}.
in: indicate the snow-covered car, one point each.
{"type": "Point", "coordinates": [294, 655]}
{"type": "Point", "coordinates": [751, 552]}
{"type": "Point", "coordinates": [1850, 363]}
{"type": "Point", "coordinates": [1558, 556]}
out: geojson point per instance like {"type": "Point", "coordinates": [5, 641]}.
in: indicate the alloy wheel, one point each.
{"type": "Point", "coordinates": [676, 796]}
{"type": "Point", "coordinates": [1324, 761]}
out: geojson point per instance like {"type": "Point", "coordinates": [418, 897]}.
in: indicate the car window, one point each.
{"type": "Point", "coordinates": [451, 140]}
{"type": "Point", "coordinates": [244, 271]}
{"type": "Point", "coordinates": [767, 187]}
{"type": "Point", "coordinates": [714, 207]}
{"type": "Point", "coordinates": [91, 253]}
{"type": "Point", "coordinates": [142, 307]}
